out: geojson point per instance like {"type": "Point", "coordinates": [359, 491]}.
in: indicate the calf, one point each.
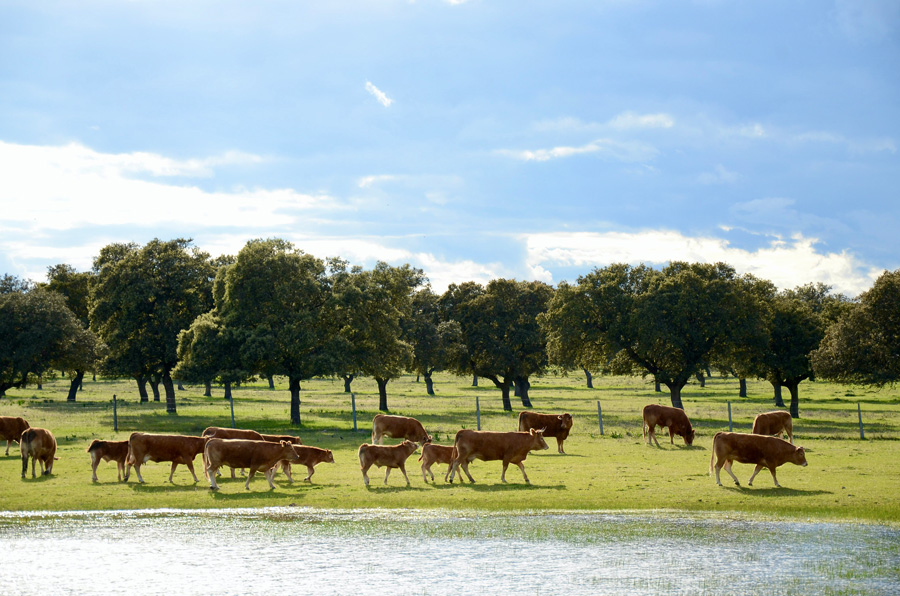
{"type": "Point", "coordinates": [435, 454]}
{"type": "Point", "coordinates": [178, 449]}
{"type": "Point", "coordinates": [765, 452]}
{"type": "Point", "coordinates": [552, 425]}
{"type": "Point", "coordinates": [774, 423]}
{"type": "Point", "coordinates": [116, 451]}
{"type": "Point", "coordinates": [398, 427]}
{"type": "Point", "coordinates": [666, 416]}
{"type": "Point", "coordinates": [11, 429]}
{"type": "Point", "coordinates": [40, 445]}
{"type": "Point", "coordinates": [241, 453]}
{"type": "Point", "coordinates": [389, 456]}
{"type": "Point", "coordinates": [485, 445]}
{"type": "Point", "coordinates": [309, 457]}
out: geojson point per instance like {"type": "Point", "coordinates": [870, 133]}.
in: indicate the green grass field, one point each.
{"type": "Point", "coordinates": [847, 478]}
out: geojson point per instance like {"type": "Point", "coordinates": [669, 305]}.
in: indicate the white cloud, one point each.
{"type": "Point", "coordinates": [628, 120]}
{"type": "Point", "coordinates": [378, 94]}
{"type": "Point", "coordinates": [369, 181]}
{"type": "Point", "coordinates": [620, 151]}
{"type": "Point", "coordinates": [786, 264]}
{"type": "Point", "coordinates": [720, 175]}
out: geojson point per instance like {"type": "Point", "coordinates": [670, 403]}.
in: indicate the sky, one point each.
{"type": "Point", "coordinates": [474, 139]}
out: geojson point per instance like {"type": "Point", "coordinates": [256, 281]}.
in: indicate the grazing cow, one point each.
{"type": "Point", "coordinates": [552, 425]}
{"type": "Point", "coordinates": [666, 416]}
{"type": "Point", "coordinates": [389, 456]}
{"type": "Point", "coordinates": [492, 446]}
{"type": "Point", "coordinates": [241, 453]}
{"type": "Point", "coordinates": [774, 423]}
{"type": "Point", "coordinates": [435, 454]}
{"type": "Point", "coordinates": [40, 445]}
{"type": "Point", "coordinates": [398, 427]}
{"type": "Point", "coordinates": [178, 449]}
{"type": "Point", "coordinates": [279, 438]}
{"type": "Point", "coordinates": [116, 451]}
{"type": "Point", "coordinates": [765, 452]}
{"type": "Point", "coordinates": [309, 457]}
{"type": "Point", "coordinates": [219, 432]}
{"type": "Point", "coordinates": [11, 429]}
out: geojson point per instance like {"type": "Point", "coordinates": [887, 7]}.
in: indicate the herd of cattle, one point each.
{"type": "Point", "coordinates": [256, 452]}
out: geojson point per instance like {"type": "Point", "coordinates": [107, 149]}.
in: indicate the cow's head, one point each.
{"type": "Point", "coordinates": [425, 438]}
{"type": "Point", "coordinates": [409, 446]}
{"type": "Point", "coordinates": [539, 442]}
{"type": "Point", "coordinates": [689, 437]}
{"type": "Point", "coordinates": [329, 457]}
{"type": "Point", "coordinates": [565, 421]}
{"type": "Point", "coordinates": [799, 456]}
{"type": "Point", "coordinates": [287, 451]}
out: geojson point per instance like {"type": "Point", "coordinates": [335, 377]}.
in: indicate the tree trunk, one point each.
{"type": "Point", "coordinates": [524, 385]}
{"type": "Point", "coordinates": [474, 380]}
{"type": "Point", "coordinates": [504, 391]}
{"type": "Point", "coordinates": [778, 401]}
{"type": "Point", "coordinates": [794, 388]}
{"type": "Point", "coordinates": [382, 394]}
{"type": "Point", "coordinates": [294, 386]}
{"type": "Point", "coordinates": [94, 377]}
{"type": "Point", "coordinates": [429, 384]}
{"type": "Point", "coordinates": [657, 387]}
{"type": "Point", "coordinates": [271, 380]}
{"type": "Point", "coordinates": [180, 386]}
{"type": "Point", "coordinates": [170, 392]}
{"type": "Point", "coordinates": [142, 389]}
{"type": "Point", "coordinates": [417, 377]}
{"type": "Point", "coordinates": [75, 382]}
{"type": "Point", "coordinates": [742, 392]}
{"type": "Point", "coordinates": [517, 391]}
{"type": "Point", "coordinates": [40, 383]}
{"type": "Point", "coordinates": [590, 379]}
{"type": "Point", "coordinates": [702, 379]}
{"type": "Point", "coordinates": [228, 390]}
{"type": "Point", "coordinates": [154, 385]}
{"type": "Point", "coordinates": [347, 380]}
{"type": "Point", "coordinates": [675, 394]}
{"type": "Point", "coordinates": [207, 388]}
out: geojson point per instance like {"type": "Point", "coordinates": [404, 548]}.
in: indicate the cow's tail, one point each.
{"type": "Point", "coordinates": [129, 459]}
{"type": "Point", "coordinates": [359, 455]}
{"type": "Point", "coordinates": [712, 457]}
{"type": "Point", "coordinates": [522, 422]}
{"type": "Point", "coordinates": [95, 444]}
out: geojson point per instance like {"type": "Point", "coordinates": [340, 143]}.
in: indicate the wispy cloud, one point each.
{"type": "Point", "coordinates": [379, 94]}
{"type": "Point", "coordinates": [786, 263]}
{"type": "Point", "coordinates": [629, 120]}
{"type": "Point", "coordinates": [620, 151]}
{"type": "Point", "coordinates": [719, 175]}
{"type": "Point", "coordinates": [369, 181]}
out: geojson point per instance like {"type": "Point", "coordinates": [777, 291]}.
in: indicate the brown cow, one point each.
{"type": "Point", "coordinates": [40, 445]}
{"type": "Point", "coordinates": [398, 427]}
{"type": "Point", "coordinates": [178, 449]}
{"type": "Point", "coordinates": [765, 452]}
{"type": "Point", "coordinates": [552, 425]}
{"type": "Point", "coordinates": [279, 438]}
{"type": "Point", "coordinates": [116, 451]}
{"type": "Point", "coordinates": [774, 423]}
{"type": "Point", "coordinates": [389, 456]}
{"type": "Point", "coordinates": [666, 416]}
{"type": "Point", "coordinates": [309, 457]}
{"type": "Point", "coordinates": [512, 447]}
{"type": "Point", "coordinates": [435, 454]}
{"type": "Point", "coordinates": [241, 453]}
{"type": "Point", "coordinates": [11, 429]}
{"type": "Point", "coordinates": [219, 432]}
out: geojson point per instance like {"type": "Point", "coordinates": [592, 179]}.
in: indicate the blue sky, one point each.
{"type": "Point", "coordinates": [474, 139]}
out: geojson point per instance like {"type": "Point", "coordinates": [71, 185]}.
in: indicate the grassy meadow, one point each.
{"type": "Point", "coordinates": [846, 479]}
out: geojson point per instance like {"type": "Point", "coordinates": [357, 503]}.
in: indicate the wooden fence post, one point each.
{"type": "Point", "coordinates": [353, 405]}
{"type": "Point", "coordinates": [477, 413]}
{"type": "Point", "coordinates": [600, 417]}
{"type": "Point", "coordinates": [115, 414]}
{"type": "Point", "coordinates": [862, 436]}
{"type": "Point", "coordinates": [231, 402]}
{"type": "Point", "coordinates": [730, 426]}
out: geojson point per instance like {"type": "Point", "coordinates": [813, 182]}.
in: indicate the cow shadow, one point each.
{"type": "Point", "coordinates": [372, 488]}
{"type": "Point", "coordinates": [39, 478]}
{"type": "Point", "coordinates": [243, 495]}
{"type": "Point", "coordinates": [775, 491]}
{"type": "Point", "coordinates": [165, 487]}
{"type": "Point", "coordinates": [510, 486]}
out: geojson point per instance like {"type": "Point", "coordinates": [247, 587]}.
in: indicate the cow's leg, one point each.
{"type": "Point", "coordinates": [774, 479]}
{"type": "Point", "coordinates": [249, 476]}
{"type": "Point", "coordinates": [671, 435]}
{"type": "Point", "coordinates": [730, 473]}
{"type": "Point", "coordinates": [95, 461]}
{"type": "Point", "coordinates": [503, 473]}
{"type": "Point", "coordinates": [311, 470]}
{"type": "Point", "coordinates": [212, 473]}
{"type": "Point", "coordinates": [33, 460]}
{"type": "Point", "coordinates": [8, 441]}
{"type": "Point", "coordinates": [559, 445]}
{"type": "Point", "coordinates": [465, 467]}
{"type": "Point", "coordinates": [24, 464]}
{"type": "Point", "coordinates": [270, 476]}
{"type": "Point", "coordinates": [524, 475]}
{"type": "Point", "coordinates": [286, 468]}
{"type": "Point", "coordinates": [120, 469]}
{"type": "Point", "coordinates": [190, 466]}
{"type": "Point", "coordinates": [403, 469]}
{"type": "Point", "coordinates": [424, 472]}
{"type": "Point", "coordinates": [172, 472]}
{"type": "Point", "coordinates": [451, 470]}
{"type": "Point", "coordinates": [365, 476]}
{"type": "Point", "coordinates": [387, 472]}
{"type": "Point", "coordinates": [653, 435]}
{"type": "Point", "coordinates": [137, 470]}
{"type": "Point", "coordinates": [755, 472]}
{"type": "Point", "coordinates": [718, 469]}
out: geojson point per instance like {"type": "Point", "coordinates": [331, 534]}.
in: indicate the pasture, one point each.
{"type": "Point", "coordinates": [847, 478]}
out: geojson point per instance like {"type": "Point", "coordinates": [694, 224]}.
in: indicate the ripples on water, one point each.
{"type": "Point", "coordinates": [306, 551]}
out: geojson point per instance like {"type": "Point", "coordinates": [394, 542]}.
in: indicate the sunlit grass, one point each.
{"type": "Point", "coordinates": [846, 478]}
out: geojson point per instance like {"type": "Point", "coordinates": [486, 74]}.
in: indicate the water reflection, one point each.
{"type": "Point", "coordinates": [281, 550]}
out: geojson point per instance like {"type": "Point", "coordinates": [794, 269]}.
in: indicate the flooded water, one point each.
{"type": "Point", "coordinates": [323, 552]}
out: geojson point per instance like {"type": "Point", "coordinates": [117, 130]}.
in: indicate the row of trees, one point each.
{"type": "Point", "coordinates": [168, 311]}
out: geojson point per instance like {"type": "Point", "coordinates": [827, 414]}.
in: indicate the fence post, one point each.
{"type": "Point", "coordinates": [231, 402]}
{"type": "Point", "coordinates": [859, 411]}
{"type": "Point", "coordinates": [353, 405]}
{"type": "Point", "coordinates": [600, 417]}
{"type": "Point", "coordinates": [730, 426]}
{"type": "Point", "coordinates": [115, 414]}
{"type": "Point", "coordinates": [477, 413]}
